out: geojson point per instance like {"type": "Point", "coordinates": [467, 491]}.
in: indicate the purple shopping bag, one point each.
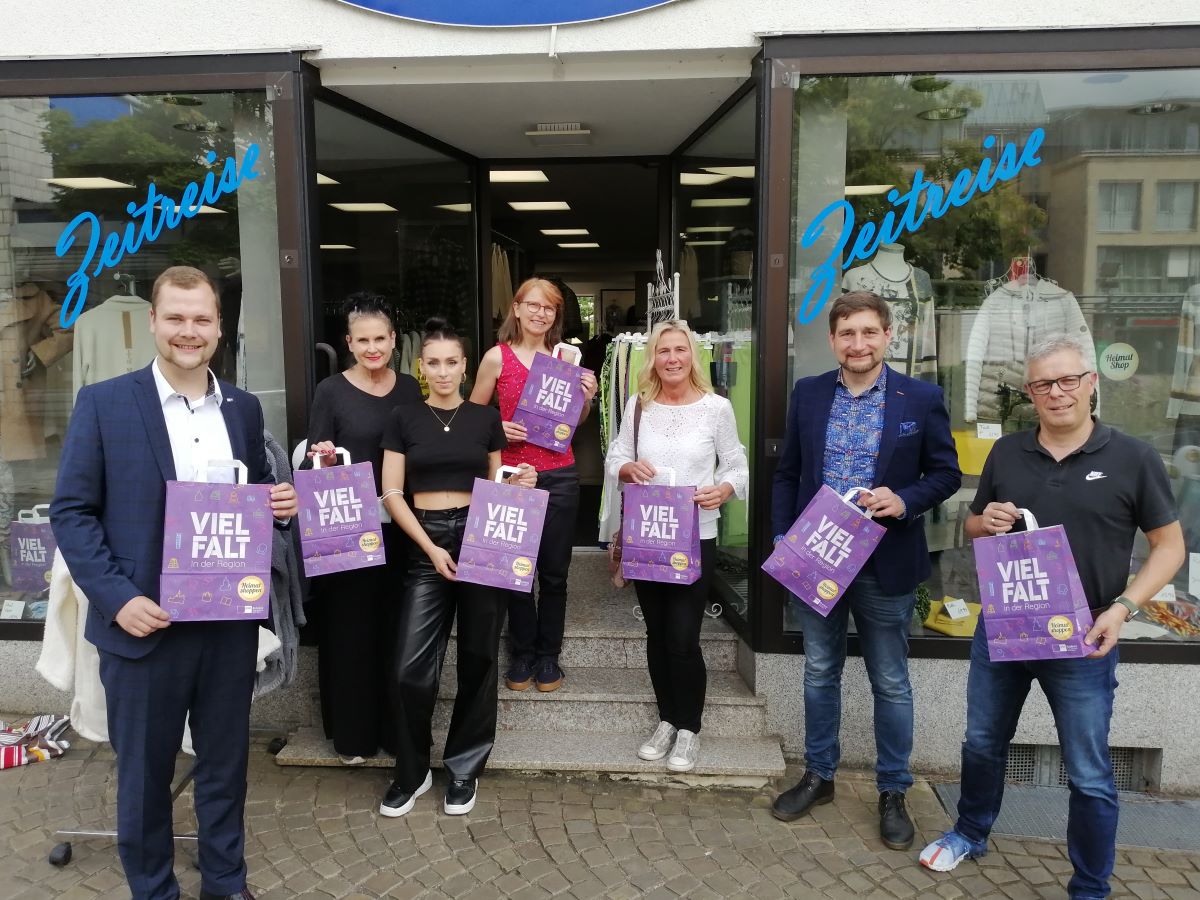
{"type": "Point", "coordinates": [503, 533]}
{"type": "Point", "coordinates": [825, 549]}
{"type": "Point", "coordinates": [1033, 601]}
{"type": "Point", "coordinates": [216, 562]}
{"type": "Point", "coordinates": [339, 517]}
{"type": "Point", "coordinates": [552, 401]}
{"type": "Point", "coordinates": [660, 532]}
{"type": "Point", "coordinates": [31, 546]}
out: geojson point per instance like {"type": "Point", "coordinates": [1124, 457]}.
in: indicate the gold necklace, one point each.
{"type": "Point", "coordinates": [445, 425]}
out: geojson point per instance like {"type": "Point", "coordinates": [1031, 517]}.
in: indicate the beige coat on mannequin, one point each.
{"type": "Point", "coordinates": [28, 321]}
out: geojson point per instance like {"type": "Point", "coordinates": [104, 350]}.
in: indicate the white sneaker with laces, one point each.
{"type": "Point", "coordinates": [683, 756]}
{"type": "Point", "coordinates": [659, 743]}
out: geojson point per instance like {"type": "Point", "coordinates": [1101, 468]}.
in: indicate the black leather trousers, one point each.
{"type": "Point", "coordinates": [426, 613]}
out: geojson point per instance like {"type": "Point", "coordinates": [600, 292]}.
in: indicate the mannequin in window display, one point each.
{"type": "Point", "coordinates": [1018, 315]}
{"type": "Point", "coordinates": [1183, 404]}
{"type": "Point", "coordinates": [30, 341]}
{"type": "Point", "coordinates": [909, 292]}
{"type": "Point", "coordinates": [112, 339]}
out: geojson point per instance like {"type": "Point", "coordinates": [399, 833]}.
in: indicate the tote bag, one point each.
{"type": "Point", "coordinates": [339, 517]}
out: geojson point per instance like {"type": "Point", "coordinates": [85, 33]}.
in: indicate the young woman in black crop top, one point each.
{"type": "Point", "coordinates": [436, 450]}
{"type": "Point", "coordinates": [356, 609]}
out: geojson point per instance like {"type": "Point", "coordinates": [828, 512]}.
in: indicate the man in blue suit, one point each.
{"type": "Point", "coordinates": [865, 425]}
{"type": "Point", "coordinates": [128, 437]}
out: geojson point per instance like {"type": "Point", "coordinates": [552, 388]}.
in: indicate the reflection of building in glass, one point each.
{"type": "Point", "coordinates": [24, 167]}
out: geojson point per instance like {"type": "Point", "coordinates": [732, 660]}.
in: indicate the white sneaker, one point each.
{"type": "Point", "coordinates": [683, 756]}
{"type": "Point", "coordinates": [659, 743]}
{"type": "Point", "coordinates": [397, 802]}
{"type": "Point", "coordinates": [351, 760]}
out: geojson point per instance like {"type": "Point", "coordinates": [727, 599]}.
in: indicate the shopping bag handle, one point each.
{"type": "Point", "coordinates": [1030, 522]}
{"type": "Point", "coordinates": [668, 471]}
{"type": "Point", "coordinates": [506, 470]}
{"type": "Point", "coordinates": [851, 494]}
{"type": "Point", "coordinates": [35, 515]}
{"type": "Point", "coordinates": [342, 451]}
{"type": "Point", "coordinates": [563, 345]}
{"type": "Point", "coordinates": [228, 464]}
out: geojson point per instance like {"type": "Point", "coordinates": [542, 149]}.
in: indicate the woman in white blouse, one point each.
{"type": "Point", "coordinates": [686, 427]}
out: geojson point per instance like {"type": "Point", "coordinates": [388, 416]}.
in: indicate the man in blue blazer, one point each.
{"type": "Point", "coordinates": [128, 437]}
{"type": "Point", "coordinates": [865, 425]}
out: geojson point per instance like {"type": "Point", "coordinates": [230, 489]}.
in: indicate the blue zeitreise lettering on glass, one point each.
{"type": "Point", "coordinates": [149, 218]}
{"type": "Point", "coordinates": [924, 200]}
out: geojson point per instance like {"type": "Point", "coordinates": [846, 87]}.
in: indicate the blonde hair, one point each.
{"type": "Point", "coordinates": [648, 383]}
{"type": "Point", "coordinates": [510, 331]}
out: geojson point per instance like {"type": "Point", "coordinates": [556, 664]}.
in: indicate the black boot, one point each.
{"type": "Point", "coordinates": [895, 827]}
{"type": "Point", "coordinates": [811, 791]}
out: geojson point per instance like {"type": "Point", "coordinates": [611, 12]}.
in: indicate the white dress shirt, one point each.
{"type": "Point", "coordinates": [197, 430]}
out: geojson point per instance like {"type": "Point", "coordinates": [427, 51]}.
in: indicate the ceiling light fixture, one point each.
{"type": "Point", "coordinates": [709, 229]}
{"type": "Point", "coordinates": [705, 243]}
{"type": "Point", "coordinates": [943, 113]}
{"type": "Point", "coordinates": [200, 127]}
{"type": "Point", "coordinates": [928, 84]}
{"type": "Point", "coordinates": [181, 100]}
{"type": "Point", "coordinates": [336, 247]}
{"type": "Point", "coordinates": [1158, 108]}
{"type": "Point", "coordinates": [865, 190]}
{"type": "Point", "coordinates": [517, 176]}
{"type": "Point", "coordinates": [364, 207]}
{"type": "Point", "coordinates": [455, 207]}
{"type": "Point", "coordinates": [563, 232]}
{"type": "Point", "coordinates": [586, 245]}
{"type": "Point", "coordinates": [709, 202]}
{"type": "Point", "coordinates": [702, 178]}
{"type": "Point", "coordinates": [540, 205]}
{"type": "Point", "coordinates": [325, 179]}
{"type": "Point", "coordinates": [87, 184]}
{"type": "Point", "coordinates": [732, 171]}
{"type": "Point", "coordinates": [560, 134]}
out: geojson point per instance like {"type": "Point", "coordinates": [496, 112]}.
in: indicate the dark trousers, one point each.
{"type": "Point", "coordinates": [674, 614]}
{"type": "Point", "coordinates": [536, 630]}
{"type": "Point", "coordinates": [357, 639]}
{"type": "Point", "coordinates": [204, 672]}
{"type": "Point", "coordinates": [426, 612]}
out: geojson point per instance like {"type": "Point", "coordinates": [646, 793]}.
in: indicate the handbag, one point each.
{"type": "Point", "coordinates": [1034, 606]}
{"type": "Point", "coordinates": [614, 545]}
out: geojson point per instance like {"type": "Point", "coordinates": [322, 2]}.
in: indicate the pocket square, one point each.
{"type": "Point", "coordinates": [908, 428]}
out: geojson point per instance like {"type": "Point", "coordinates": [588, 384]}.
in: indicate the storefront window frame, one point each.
{"type": "Point", "coordinates": [787, 57]}
{"type": "Point", "coordinates": [290, 82]}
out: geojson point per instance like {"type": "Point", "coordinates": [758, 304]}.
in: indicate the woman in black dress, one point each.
{"type": "Point", "coordinates": [350, 410]}
{"type": "Point", "coordinates": [434, 451]}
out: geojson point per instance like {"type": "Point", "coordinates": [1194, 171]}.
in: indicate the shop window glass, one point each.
{"type": "Point", "coordinates": [395, 218]}
{"type": "Point", "coordinates": [716, 238]}
{"type": "Point", "coordinates": [1118, 206]}
{"type": "Point", "coordinates": [1061, 241]}
{"type": "Point", "coordinates": [61, 157]}
{"type": "Point", "coordinates": [1176, 206]}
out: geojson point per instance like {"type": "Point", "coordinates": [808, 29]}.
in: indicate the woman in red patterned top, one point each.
{"type": "Point", "coordinates": [534, 325]}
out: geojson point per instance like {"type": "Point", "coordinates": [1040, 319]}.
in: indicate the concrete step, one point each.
{"type": "Point", "coordinates": [603, 629]}
{"type": "Point", "coordinates": [722, 761]}
{"type": "Point", "coordinates": [612, 700]}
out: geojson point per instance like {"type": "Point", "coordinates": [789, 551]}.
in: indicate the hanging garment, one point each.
{"type": "Point", "coordinates": [1013, 320]}
{"type": "Point", "coordinates": [30, 340]}
{"type": "Point", "coordinates": [37, 740]}
{"type": "Point", "coordinates": [913, 348]}
{"type": "Point", "coordinates": [1185, 382]}
{"type": "Point", "coordinates": [689, 284]}
{"type": "Point", "coordinates": [502, 286]}
{"type": "Point", "coordinates": [111, 339]}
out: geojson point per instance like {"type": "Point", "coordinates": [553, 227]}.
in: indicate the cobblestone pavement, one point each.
{"type": "Point", "coordinates": [315, 833]}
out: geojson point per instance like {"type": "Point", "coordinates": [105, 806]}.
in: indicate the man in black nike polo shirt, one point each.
{"type": "Point", "coordinates": [1103, 487]}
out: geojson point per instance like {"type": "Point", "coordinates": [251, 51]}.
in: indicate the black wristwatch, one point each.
{"type": "Point", "coordinates": [1124, 601]}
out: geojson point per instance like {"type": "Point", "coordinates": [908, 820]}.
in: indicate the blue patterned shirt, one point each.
{"type": "Point", "coordinates": [852, 435]}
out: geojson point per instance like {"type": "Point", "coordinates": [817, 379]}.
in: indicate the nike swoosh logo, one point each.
{"type": "Point", "coordinates": [1094, 476]}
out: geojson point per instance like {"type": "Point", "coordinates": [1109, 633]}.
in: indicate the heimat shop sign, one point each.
{"type": "Point", "coordinates": [506, 13]}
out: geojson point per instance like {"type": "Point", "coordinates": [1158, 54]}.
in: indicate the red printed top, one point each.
{"type": "Point", "coordinates": [508, 387]}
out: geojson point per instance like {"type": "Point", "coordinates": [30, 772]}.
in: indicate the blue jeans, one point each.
{"type": "Point", "coordinates": [883, 623]}
{"type": "Point", "coordinates": [1080, 692]}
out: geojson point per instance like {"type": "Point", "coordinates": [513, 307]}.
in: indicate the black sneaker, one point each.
{"type": "Point", "coordinates": [399, 802]}
{"type": "Point", "coordinates": [549, 676]}
{"type": "Point", "coordinates": [460, 796]}
{"type": "Point", "coordinates": [895, 827]}
{"type": "Point", "coordinates": [813, 790]}
{"type": "Point", "coordinates": [519, 676]}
